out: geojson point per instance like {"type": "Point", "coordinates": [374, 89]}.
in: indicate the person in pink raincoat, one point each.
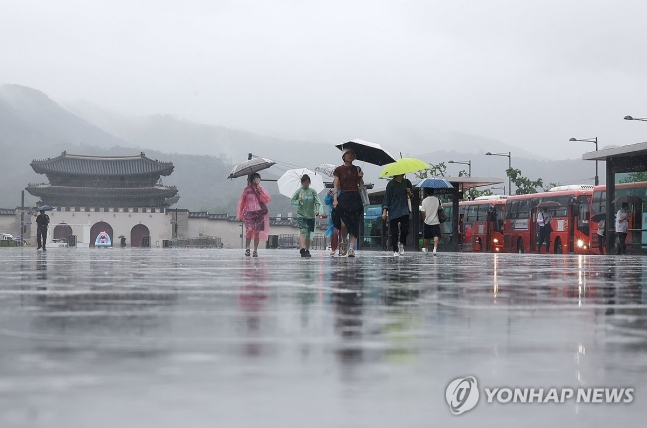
{"type": "Point", "coordinates": [252, 210]}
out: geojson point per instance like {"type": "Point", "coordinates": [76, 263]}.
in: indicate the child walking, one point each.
{"type": "Point", "coordinates": [308, 205]}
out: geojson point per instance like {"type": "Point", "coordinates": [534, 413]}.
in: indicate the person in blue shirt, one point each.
{"type": "Point", "coordinates": [395, 207]}
{"type": "Point", "coordinates": [331, 232]}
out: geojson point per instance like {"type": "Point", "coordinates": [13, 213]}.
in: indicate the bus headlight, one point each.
{"type": "Point", "coordinates": [580, 243]}
{"type": "Point", "coordinates": [495, 240]}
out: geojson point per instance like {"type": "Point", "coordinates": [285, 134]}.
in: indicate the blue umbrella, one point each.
{"type": "Point", "coordinates": [435, 183]}
{"type": "Point", "coordinates": [45, 208]}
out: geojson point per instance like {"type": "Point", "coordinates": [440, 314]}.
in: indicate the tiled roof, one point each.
{"type": "Point", "coordinates": [102, 165]}
{"type": "Point", "coordinates": [205, 214]}
{"type": "Point", "coordinates": [7, 211]}
{"type": "Point", "coordinates": [47, 189]}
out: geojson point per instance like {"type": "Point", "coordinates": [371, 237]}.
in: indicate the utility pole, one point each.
{"type": "Point", "coordinates": [22, 217]}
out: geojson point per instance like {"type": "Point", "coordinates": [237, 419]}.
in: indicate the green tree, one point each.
{"type": "Point", "coordinates": [634, 177]}
{"type": "Point", "coordinates": [523, 184]}
{"type": "Point", "coordinates": [475, 193]}
{"type": "Point", "coordinates": [434, 170]}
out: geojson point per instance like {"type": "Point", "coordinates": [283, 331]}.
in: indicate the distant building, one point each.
{"type": "Point", "coordinates": [124, 196]}
{"type": "Point", "coordinates": [101, 181]}
{"type": "Point", "coordinates": [119, 195]}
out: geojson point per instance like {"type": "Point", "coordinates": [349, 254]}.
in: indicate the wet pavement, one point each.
{"type": "Point", "coordinates": [209, 338]}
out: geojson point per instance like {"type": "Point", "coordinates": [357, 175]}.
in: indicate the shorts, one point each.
{"type": "Point", "coordinates": [431, 231]}
{"type": "Point", "coordinates": [306, 226]}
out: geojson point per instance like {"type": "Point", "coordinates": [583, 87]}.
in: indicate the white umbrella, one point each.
{"type": "Point", "coordinates": [291, 181]}
{"type": "Point", "coordinates": [326, 169]}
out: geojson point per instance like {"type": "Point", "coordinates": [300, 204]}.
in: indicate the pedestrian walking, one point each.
{"type": "Point", "coordinates": [622, 226]}
{"type": "Point", "coordinates": [545, 229]}
{"type": "Point", "coordinates": [601, 235]}
{"type": "Point", "coordinates": [252, 211]}
{"type": "Point", "coordinates": [347, 205]}
{"type": "Point", "coordinates": [308, 205]}
{"type": "Point", "coordinates": [430, 207]}
{"type": "Point", "coordinates": [331, 232]}
{"type": "Point", "coordinates": [395, 207]}
{"type": "Point", "coordinates": [42, 222]}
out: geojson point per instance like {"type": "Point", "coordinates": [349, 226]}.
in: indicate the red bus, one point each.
{"type": "Point", "coordinates": [570, 221]}
{"type": "Point", "coordinates": [635, 194]}
{"type": "Point", "coordinates": [481, 225]}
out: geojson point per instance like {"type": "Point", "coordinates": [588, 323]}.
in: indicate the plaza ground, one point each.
{"type": "Point", "coordinates": [209, 338]}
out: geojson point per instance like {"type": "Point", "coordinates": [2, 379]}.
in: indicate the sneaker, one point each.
{"type": "Point", "coordinates": [332, 254]}
{"type": "Point", "coordinates": [247, 253]}
{"type": "Point", "coordinates": [401, 247]}
{"type": "Point", "coordinates": [396, 254]}
{"type": "Point", "coordinates": [308, 255]}
{"type": "Point", "coordinates": [351, 252]}
{"type": "Point", "coordinates": [434, 251]}
{"type": "Point", "coordinates": [424, 250]}
{"type": "Point", "coordinates": [39, 247]}
{"type": "Point", "coordinates": [342, 250]}
{"type": "Point", "coordinates": [303, 252]}
{"type": "Point", "coordinates": [255, 254]}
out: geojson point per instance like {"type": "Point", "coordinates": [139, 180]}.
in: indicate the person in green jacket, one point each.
{"type": "Point", "coordinates": [309, 204]}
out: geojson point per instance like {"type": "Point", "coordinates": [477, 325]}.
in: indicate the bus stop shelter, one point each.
{"type": "Point", "coordinates": [460, 186]}
{"type": "Point", "coordinates": [624, 164]}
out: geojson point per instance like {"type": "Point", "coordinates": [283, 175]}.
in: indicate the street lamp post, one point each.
{"type": "Point", "coordinates": [468, 163]}
{"type": "Point", "coordinates": [593, 140]}
{"type": "Point", "coordinates": [509, 156]}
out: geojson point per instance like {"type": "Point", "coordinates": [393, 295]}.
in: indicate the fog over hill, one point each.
{"type": "Point", "coordinates": [34, 126]}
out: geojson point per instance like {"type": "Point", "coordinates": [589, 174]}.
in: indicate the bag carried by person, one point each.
{"type": "Point", "coordinates": [442, 216]}
{"type": "Point", "coordinates": [363, 192]}
{"type": "Point", "coordinates": [263, 211]}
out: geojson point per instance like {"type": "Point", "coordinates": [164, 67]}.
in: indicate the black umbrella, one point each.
{"type": "Point", "coordinates": [366, 151]}
{"type": "Point", "coordinates": [626, 198]}
{"type": "Point", "coordinates": [550, 204]}
{"type": "Point", "coordinates": [597, 217]}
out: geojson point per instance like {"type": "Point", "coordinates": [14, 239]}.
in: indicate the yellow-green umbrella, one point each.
{"type": "Point", "coordinates": [404, 166]}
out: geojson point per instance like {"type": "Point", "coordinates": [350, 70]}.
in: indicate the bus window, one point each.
{"type": "Point", "coordinates": [472, 212]}
{"type": "Point", "coordinates": [524, 209]}
{"type": "Point", "coordinates": [584, 214]}
{"type": "Point", "coordinates": [478, 213]}
{"type": "Point", "coordinates": [562, 211]}
{"type": "Point", "coordinates": [511, 212]}
{"type": "Point", "coordinates": [599, 202]}
{"type": "Point", "coordinates": [499, 217]}
{"type": "Point", "coordinates": [484, 210]}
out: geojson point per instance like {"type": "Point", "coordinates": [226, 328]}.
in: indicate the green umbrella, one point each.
{"type": "Point", "coordinates": [403, 166]}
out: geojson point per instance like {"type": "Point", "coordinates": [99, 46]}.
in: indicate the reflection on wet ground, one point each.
{"type": "Point", "coordinates": [209, 338]}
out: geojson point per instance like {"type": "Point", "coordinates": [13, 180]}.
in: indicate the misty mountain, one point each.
{"type": "Point", "coordinates": [28, 116]}
{"type": "Point", "coordinates": [32, 126]}
{"type": "Point", "coordinates": [171, 134]}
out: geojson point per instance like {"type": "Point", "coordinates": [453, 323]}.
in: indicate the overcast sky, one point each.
{"type": "Point", "coordinates": [529, 73]}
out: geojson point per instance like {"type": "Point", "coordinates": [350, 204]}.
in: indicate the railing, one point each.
{"type": "Point", "coordinates": [319, 242]}
{"type": "Point", "coordinates": [202, 242]}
